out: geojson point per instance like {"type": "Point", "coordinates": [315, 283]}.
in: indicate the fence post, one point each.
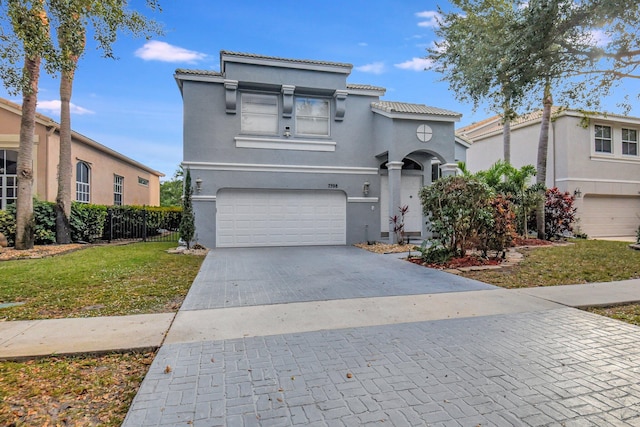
{"type": "Point", "coordinates": [110, 222]}
{"type": "Point", "coordinates": [144, 223]}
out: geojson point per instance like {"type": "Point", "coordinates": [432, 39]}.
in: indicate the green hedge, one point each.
{"type": "Point", "coordinates": [89, 222]}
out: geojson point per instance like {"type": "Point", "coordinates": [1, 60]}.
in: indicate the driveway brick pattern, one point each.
{"type": "Point", "coordinates": [559, 367]}
{"type": "Point", "coordinates": [234, 277]}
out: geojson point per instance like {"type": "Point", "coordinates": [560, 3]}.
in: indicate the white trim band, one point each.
{"type": "Point", "coordinates": [362, 200]}
{"type": "Point", "coordinates": [249, 167]}
{"type": "Point", "coordinates": [289, 144]}
{"type": "Point", "coordinates": [197, 198]}
{"type": "Point", "coordinates": [611, 181]}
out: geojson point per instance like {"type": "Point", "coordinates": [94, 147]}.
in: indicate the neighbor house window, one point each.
{"type": "Point", "coordinates": [630, 142]}
{"type": "Point", "coordinates": [83, 182]}
{"type": "Point", "coordinates": [259, 114]}
{"type": "Point", "coordinates": [603, 139]}
{"type": "Point", "coordinates": [312, 116]}
{"type": "Point", "coordinates": [143, 181]}
{"type": "Point", "coordinates": [118, 185]}
{"type": "Point", "coordinates": [8, 177]}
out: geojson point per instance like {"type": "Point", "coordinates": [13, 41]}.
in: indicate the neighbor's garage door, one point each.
{"type": "Point", "coordinates": [609, 216]}
{"type": "Point", "coordinates": [280, 218]}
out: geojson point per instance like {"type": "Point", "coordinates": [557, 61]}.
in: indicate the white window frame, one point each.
{"type": "Point", "coordinates": [629, 142]}
{"type": "Point", "coordinates": [602, 139]}
{"type": "Point", "coordinates": [324, 118]}
{"type": "Point", "coordinates": [118, 190]}
{"type": "Point", "coordinates": [8, 182]}
{"type": "Point", "coordinates": [143, 181]}
{"type": "Point", "coordinates": [83, 188]}
{"type": "Point", "coordinates": [269, 112]}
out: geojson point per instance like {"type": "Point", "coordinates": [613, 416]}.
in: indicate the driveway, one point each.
{"type": "Point", "coordinates": [490, 357]}
{"type": "Point", "coordinates": [234, 277]}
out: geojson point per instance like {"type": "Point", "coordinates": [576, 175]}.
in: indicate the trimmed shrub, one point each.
{"type": "Point", "coordinates": [459, 211]}
{"type": "Point", "coordinates": [87, 221]}
{"type": "Point", "coordinates": [559, 214]}
{"type": "Point", "coordinates": [8, 226]}
{"type": "Point", "coordinates": [501, 234]}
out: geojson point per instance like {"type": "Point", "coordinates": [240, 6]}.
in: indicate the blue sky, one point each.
{"type": "Point", "coordinates": [133, 105]}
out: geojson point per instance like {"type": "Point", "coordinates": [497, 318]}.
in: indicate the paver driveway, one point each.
{"type": "Point", "coordinates": [551, 365]}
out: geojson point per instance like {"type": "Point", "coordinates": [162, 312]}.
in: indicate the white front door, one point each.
{"type": "Point", "coordinates": [410, 186]}
{"type": "Point", "coordinates": [252, 217]}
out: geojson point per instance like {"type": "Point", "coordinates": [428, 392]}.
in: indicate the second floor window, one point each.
{"type": "Point", "coordinates": [259, 114]}
{"type": "Point", "coordinates": [312, 116]}
{"type": "Point", "coordinates": [629, 142]}
{"type": "Point", "coordinates": [83, 184]}
{"type": "Point", "coordinates": [118, 185]}
{"type": "Point", "coordinates": [603, 139]}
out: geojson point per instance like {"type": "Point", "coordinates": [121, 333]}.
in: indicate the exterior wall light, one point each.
{"type": "Point", "coordinates": [365, 188]}
{"type": "Point", "coordinates": [198, 184]}
{"type": "Point", "coordinates": [577, 193]}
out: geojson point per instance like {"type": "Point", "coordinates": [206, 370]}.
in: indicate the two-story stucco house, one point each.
{"type": "Point", "coordinates": [286, 152]}
{"type": "Point", "coordinates": [100, 175]}
{"type": "Point", "coordinates": [595, 158]}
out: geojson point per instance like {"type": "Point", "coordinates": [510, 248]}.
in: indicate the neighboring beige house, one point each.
{"type": "Point", "coordinates": [594, 158]}
{"type": "Point", "coordinates": [100, 174]}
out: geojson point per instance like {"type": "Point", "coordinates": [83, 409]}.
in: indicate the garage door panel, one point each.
{"type": "Point", "coordinates": [280, 218]}
{"type": "Point", "coordinates": [602, 216]}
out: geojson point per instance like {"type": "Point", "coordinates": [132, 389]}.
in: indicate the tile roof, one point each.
{"type": "Point", "coordinates": [298, 61]}
{"type": "Point", "coordinates": [365, 87]}
{"type": "Point", "coordinates": [198, 72]}
{"type": "Point", "coordinates": [403, 107]}
{"type": "Point", "coordinates": [494, 124]}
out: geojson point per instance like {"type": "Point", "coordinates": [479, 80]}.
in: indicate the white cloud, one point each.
{"type": "Point", "coordinates": [599, 38]}
{"type": "Point", "coordinates": [373, 68]}
{"type": "Point", "coordinates": [155, 50]}
{"type": "Point", "coordinates": [430, 18]}
{"type": "Point", "coordinates": [53, 107]}
{"type": "Point", "coordinates": [363, 44]}
{"type": "Point", "coordinates": [415, 64]}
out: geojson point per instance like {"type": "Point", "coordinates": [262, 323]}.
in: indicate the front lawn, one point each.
{"type": "Point", "coordinates": [98, 281]}
{"type": "Point", "coordinates": [580, 261]}
{"type": "Point", "coordinates": [70, 391]}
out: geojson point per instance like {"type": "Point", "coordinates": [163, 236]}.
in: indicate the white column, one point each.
{"type": "Point", "coordinates": [395, 184]}
{"type": "Point", "coordinates": [449, 169]}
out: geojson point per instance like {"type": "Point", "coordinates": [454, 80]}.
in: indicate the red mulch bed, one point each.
{"type": "Point", "coordinates": [466, 261]}
{"type": "Point", "coordinates": [519, 241]}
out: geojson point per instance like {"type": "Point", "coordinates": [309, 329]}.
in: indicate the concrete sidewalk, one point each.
{"type": "Point", "coordinates": [23, 339]}
{"type": "Point", "coordinates": [32, 338]}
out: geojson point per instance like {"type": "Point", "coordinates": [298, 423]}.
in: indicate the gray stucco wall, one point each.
{"type": "Point", "coordinates": [215, 151]}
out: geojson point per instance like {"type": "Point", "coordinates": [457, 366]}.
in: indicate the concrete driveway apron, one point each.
{"type": "Point", "coordinates": [336, 336]}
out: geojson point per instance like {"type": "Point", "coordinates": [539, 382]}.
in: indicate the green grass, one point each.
{"type": "Point", "coordinates": [98, 281]}
{"type": "Point", "coordinates": [581, 261]}
{"type": "Point", "coordinates": [70, 391]}
{"type": "Point", "coordinates": [629, 313]}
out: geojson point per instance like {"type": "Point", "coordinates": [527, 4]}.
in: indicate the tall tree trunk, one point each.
{"type": "Point", "coordinates": [506, 138]}
{"type": "Point", "coordinates": [543, 145]}
{"type": "Point", "coordinates": [63, 198]}
{"type": "Point", "coordinates": [25, 222]}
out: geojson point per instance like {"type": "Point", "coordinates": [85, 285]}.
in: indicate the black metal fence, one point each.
{"type": "Point", "coordinates": [148, 225]}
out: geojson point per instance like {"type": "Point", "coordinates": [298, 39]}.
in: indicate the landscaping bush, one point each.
{"type": "Point", "coordinates": [87, 221]}
{"type": "Point", "coordinates": [8, 226]}
{"type": "Point", "coordinates": [459, 211]}
{"type": "Point", "coordinates": [559, 214]}
{"type": "Point", "coordinates": [502, 231]}
{"type": "Point", "coordinates": [45, 219]}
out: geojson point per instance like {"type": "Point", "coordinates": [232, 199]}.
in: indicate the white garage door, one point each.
{"type": "Point", "coordinates": [280, 218]}
{"type": "Point", "coordinates": [609, 216]}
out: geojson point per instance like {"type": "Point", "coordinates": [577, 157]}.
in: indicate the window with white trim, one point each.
{"type": "Point", "coordinates": [118, 186]}
{"type": "Point", "coordinates": [259, 114]}
{"type": "Point", "coordinates": [312, 116]}
{"type": "Point", "coordinates": [603, 139]}
{"type": "Point", "coordinates": [83, 182]}
{"type": "Point", "coordinates": [629, 142]}
{"type": "Point", "coordinates": [143, 181]}
{"type": "Point", "coordinates": [8, 177]}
